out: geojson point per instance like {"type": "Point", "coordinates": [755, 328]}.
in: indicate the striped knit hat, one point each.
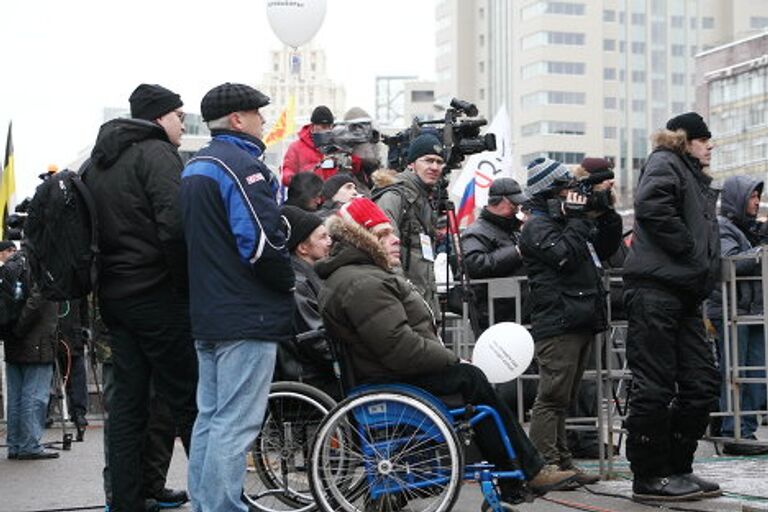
{"type": "Point", "coordinates": [542, 175]}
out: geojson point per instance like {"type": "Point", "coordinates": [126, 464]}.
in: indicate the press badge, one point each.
{"type": "Point", "coordinates": [593, 253]}
{"type": "Point", "coordinates": [426, 247]}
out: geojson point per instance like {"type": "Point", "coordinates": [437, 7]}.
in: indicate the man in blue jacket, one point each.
{"type": "Point", "coordinates": [241, 290]}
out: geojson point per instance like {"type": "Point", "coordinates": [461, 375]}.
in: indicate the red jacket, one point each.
{"type": "Point", "coordinates": [302, 155]}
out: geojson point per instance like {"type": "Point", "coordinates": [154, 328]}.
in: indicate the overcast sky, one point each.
{"type": "Point", "coordinates": [64, 61]}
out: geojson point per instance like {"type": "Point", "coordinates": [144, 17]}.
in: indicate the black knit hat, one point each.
{"type": "Point", "coordinates": [6, 244]}
{"type": "Point", "coordinates": [424, 144]}
{"type": "Point", "coordinates": [150, 101]}
{"type": "Point", "coordinates": [301, 224]}
{"type": "Point", "coordinates": [322, 115]}
{"type": "Point", "coordinates": [334, 183]}
{"type": "Point", "coordinates": [692, 123]}
{"type": "Point", "coordinates": [228, 97]}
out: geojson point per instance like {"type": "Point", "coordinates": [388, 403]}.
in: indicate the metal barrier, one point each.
{"type": "Point", "coordinates": [611, 373]}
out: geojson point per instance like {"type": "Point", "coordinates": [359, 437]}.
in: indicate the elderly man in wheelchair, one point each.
{"type": "Point", "coordinates": [389, 444]}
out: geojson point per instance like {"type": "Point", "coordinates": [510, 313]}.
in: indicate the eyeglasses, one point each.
{"type": "Point", "coordinates": [181, 115]}
{"type": "Point", "coordinates": [431, 160]}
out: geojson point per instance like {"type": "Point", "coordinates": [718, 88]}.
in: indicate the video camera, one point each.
{"type": "Point", "coordinates": [585, 186]}
{"type": "Point", "coordinates": [338, 143]}
{"type": "Point", "coordinates": [14, 224]}
{"type": "Point", "coordinates": [459, 131]}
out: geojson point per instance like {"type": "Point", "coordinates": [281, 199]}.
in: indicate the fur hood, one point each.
{"type": "Point", "coordinates": [673, 141]}
{"type": "Point", "coordinates": [347, 234]}
{"type": "Point", "coordinates": [385, 177]}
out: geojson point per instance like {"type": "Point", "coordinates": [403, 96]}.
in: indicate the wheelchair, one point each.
{"type": "Point", "coordinates": [278, 460]}
{"type": "Point", "coordinates": [396, 447]}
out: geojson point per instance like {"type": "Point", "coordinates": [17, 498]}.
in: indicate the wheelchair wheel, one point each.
{"type": "Point", "coordinates": [386, 451]}
{"type": "Point", "coordinates": [278, 461]}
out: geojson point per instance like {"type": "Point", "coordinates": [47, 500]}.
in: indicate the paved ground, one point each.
{"type": "Point", "coordinates": [73, 482]}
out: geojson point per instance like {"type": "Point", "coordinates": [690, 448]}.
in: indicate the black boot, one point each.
{"type": "Point", "coordinates": [648, 445]}
{"type": "Point", "coordinates": [669, 488]}
{"type": "Point", "coordinates": [708, 488]}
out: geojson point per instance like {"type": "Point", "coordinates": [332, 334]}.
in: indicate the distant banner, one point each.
{"type": "Point", "coordinates": [284, 126]}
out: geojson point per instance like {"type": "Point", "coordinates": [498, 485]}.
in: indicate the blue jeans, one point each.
{"type": "Point", "coordinates": [752, 397]}
{"type": "Point", "coordinates": [29, 386]}
{"type": "Point", "coordinates": [232, 393]}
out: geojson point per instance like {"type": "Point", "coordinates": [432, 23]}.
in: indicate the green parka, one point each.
{"type": "Point", "coordinates": [380, 318]}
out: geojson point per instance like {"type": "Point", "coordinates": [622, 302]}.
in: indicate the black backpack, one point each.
{"type": "Point", "coordinates": [61, 235]}
{"type": "Point", "coordinates": [14, 290]}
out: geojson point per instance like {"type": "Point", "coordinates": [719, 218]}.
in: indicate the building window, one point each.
{"type": "Point", "coordinates": [638, 18]}
{"type": "Point", "coordinates": [678, 107]}
{"type": "Point", "coordinates": [553, 68]}
{"type": "Point", "coordinates": [610, 102]}
{"type": "Point", "coordinates": [678, 78]}
{"type": "Point", "coordinates": [551, 7]}
{"type": "Point", "coordinates": [638, 47]}
{"type": "Point", "coordinates": [609, 132]}
{"type": "Point", "coordinates": [677, 50]}
{"type": "Point", "coordinates": [708, 22]}
{"type": "Point", "coordinates": [553, 38]}
{"type": "Point", "coordinates": [609, 74]}
{"type": "Point", "coordinates": [539, 98]}
{"type": "Point", "coordinates": [609, 15]}
{"type": "Point", "coordinates": [564, 157]}
{"type": "Point", "coordinates": [422, 96]}
{"type": "Point", "coordinates": [677, 21]}
{"type": "Point", "coordinates": [638, 76]}
{"type": "Point", "coordinates": [481, 40]}
{"type": "Point", "coordinates": [609, 45]}
{"type": "Point", "coordinates": [553, 128]}
{"type": "Point", "coordinates": [481, 67]}
{"type": "Point", "coordinates": [694, 23]}
{"type": "Point", "coordinates": [758, 22]}
{"type": "Point", "coordinates": [638, 105]}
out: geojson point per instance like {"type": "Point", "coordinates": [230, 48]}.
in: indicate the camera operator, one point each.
{"type": "Point", "coordinates": [407, 202]}
{"type": "Point", "coordinates": [672, 266]}
{"type": "Point", "coordinates": [559, 245]}
{"type": "Point", "coordinates": [304, 154]}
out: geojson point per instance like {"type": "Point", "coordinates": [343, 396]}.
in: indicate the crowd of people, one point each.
{"type": "Point", "coordinates": [205, 283]}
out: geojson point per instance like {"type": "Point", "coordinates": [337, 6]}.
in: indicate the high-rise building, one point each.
{"type": "Point", "coordinates": [732, 93]}
{"type": "Point", "coordinates": [301, 74]}
{"type": "Point", "coordinates": [590, 77]}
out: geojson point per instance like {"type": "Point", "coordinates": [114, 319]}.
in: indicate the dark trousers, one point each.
{"type": "Point", "coordinates": [151, 341]}
{"type": "Point", "coordinates": [77, 384]}
{"type": "Point", "coordinates": [675, 382]}
{"type": "Point", "coordinates": [470, 382]}
{"type": "Point", "coordinates": [158, 445]}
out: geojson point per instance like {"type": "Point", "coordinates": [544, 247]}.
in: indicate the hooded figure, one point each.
{"type": "Point", "coordinates": [740, 235]}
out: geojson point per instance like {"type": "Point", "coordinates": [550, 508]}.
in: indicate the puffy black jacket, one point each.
{"type": "Point", "coordinates": [675, 245]}
{"type": "Point", "coordinates": [308, 360]}
{"type": "Point", "coordinates": [33, 339]}
{"type": "Point", "coordinates": [135, 181]}
{"type": "Point", "coordinates": [567, 292]}
{"type": "Point", "coordinates": [490, 246]}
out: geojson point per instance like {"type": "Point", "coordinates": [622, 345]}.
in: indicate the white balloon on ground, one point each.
{"type": "Point", "coordinates": [503, 351]}
{"type": "Point", "coordinates": [295, 22]}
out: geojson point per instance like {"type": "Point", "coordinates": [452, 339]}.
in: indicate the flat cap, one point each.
{"type": "Point", "coordinates": [509, 188]}
{"type": "Point", "coordinates": [228, 97]}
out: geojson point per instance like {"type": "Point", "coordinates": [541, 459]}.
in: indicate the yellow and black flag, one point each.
{"type": "Point", "coordinates": [8, 184]}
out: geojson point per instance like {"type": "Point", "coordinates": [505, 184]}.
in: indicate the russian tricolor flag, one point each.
{"type": "Point", "coordinates": [466, 212]}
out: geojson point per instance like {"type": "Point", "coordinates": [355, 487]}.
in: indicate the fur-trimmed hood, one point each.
{"type": "Point", "coordinates": [673, 141]}
{"type": "Point", "coordinates": [353, 245]}
{"type": "Point", "coordinates": [384, 177]}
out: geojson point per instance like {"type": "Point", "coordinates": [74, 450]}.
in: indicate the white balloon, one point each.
{"type": "Point", "coordinates": [503, 351]}
{"type": "Point", "coordinates": [295, 22]}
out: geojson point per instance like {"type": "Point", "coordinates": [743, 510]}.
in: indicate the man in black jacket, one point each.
{"type": "Point", "coordinates": [30, 349]}
{"type": "Point", "coordinates": [307, 360]}
{"type": "Point", "coordinates": [561, 247]}
{"type": "Point", "coordinates": [671, 268]}
{"type": "Point", "coordinates": [135, 178]}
